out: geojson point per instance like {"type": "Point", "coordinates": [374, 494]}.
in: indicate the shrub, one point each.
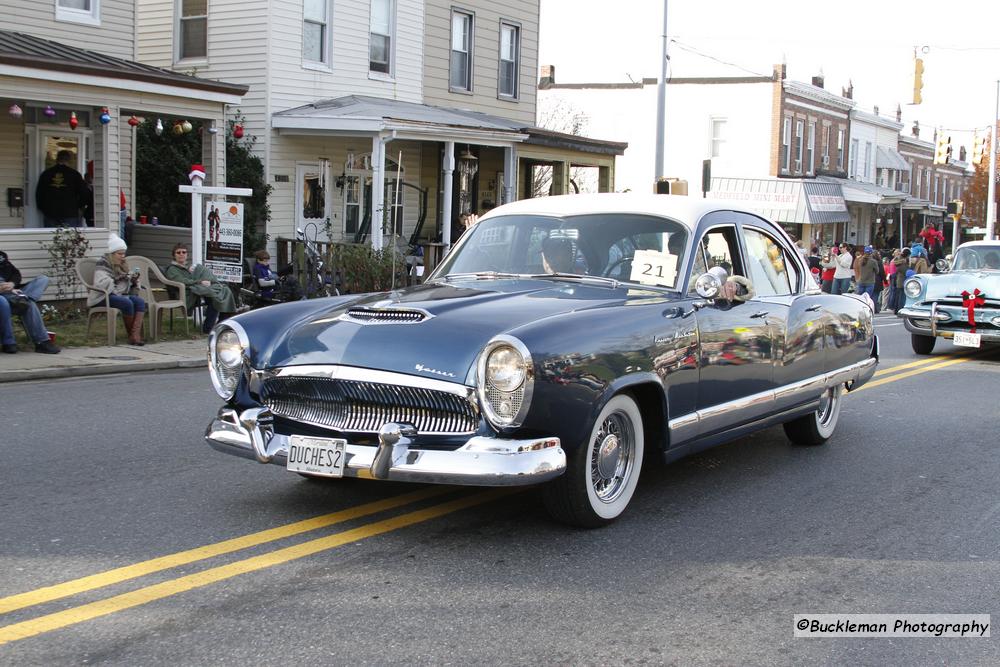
{"type": "Point", "coordinates": [65, 246]}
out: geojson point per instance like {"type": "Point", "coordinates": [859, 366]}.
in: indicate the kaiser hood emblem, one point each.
{"type": "Point", "coordinates": [434, 371]}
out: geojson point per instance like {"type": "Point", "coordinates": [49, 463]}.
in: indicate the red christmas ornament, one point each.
{"type": "Point", "coordinates": [73, 122]}
{"type": "Point", "coordinates": [133, 121]}
{"type": "Point", "coordinates": [970, 301]}
{"type": "Point", "coordinates": [238, 131]}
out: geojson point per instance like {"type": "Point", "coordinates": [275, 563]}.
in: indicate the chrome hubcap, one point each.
{"type": "Point", "coordinates": [612, 458]}
{"type": "Point", "coordinates": [827, 405]}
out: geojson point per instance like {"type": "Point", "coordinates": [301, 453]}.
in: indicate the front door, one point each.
{"type": "Point", "coordinates": [47, 144]}
{"type": "Point", "coordinates": [735, 342]}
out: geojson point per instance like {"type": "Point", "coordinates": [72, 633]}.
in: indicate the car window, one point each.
{"type": "Point", "coordinates": [768, 264]}
{"type": "Point", "coordinates": [636, 248]}
{"type": "Point", "coordinates": [717, 247]}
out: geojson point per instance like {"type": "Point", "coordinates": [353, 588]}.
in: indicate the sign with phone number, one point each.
{"type": "Point", "coordinates": [224, 240]}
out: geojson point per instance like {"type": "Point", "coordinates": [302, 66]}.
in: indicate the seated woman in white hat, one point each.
{"type": "Point", "coordinates": [111, 276]}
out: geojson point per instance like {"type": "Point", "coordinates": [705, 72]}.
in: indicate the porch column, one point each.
{"type": "Point", "coordinates": [106, 167]}
{"type": "Point", "coordinates": [378, 191]}
{"type": "Point", "coordinates": [448, 168]}
{"type": "Point", "coordinates": [560, 178]}
{"type": "Point", "coordinates": [605, 177]}
{"type": "Point", "coordinates": [509, 175]}
{"type": "Point", "coordinates": [213, 152]}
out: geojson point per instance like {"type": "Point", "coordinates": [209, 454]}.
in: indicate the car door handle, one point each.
{"type": "Point", "coordinates": [759, 314]}
{"type": "Point", "coordinates": [814, 308]}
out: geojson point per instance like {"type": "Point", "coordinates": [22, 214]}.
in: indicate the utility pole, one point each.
{"type": "Point", "coordinates": [661, 101]}
{"type": "Point", "coordinates": [991, 207]}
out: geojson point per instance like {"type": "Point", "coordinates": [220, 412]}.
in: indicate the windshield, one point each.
{"type": "Point", "coordinates": [626, 247]}
{"type": "Point", "coordinates": [977, 258]}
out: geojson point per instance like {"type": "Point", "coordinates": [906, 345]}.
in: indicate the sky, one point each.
{"type": "Point", "coordinates": [868, 43]}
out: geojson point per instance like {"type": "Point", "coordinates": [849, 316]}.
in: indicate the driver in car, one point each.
{"type": "Point", "coordinates": [558, 255]}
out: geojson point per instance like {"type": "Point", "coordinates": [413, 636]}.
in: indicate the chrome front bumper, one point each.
{"type": "Point", "coordinates": [914, 319]}
{"type": "Point", "coordinates": [481, 461]}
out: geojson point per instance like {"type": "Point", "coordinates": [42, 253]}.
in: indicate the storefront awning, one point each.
{"type": "Point", "coordinates": [888, 158]}
{"type": "Point", "coordinates": [859, 192]}
{"type": "Point", "coordinates": [785, 199]}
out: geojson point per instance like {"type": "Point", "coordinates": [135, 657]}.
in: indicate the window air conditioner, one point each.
{"type": "Point", "coordinates": [826, 160]}
{"type": "Point", "coordinates": [798, 165]}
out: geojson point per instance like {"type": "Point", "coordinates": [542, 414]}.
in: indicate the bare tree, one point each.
{"type": "Point", "coordinates": [561, 116]}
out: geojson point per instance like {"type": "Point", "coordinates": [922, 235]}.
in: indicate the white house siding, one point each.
{"type": "Point", "coordinates": [154, 32]}
{"type": "Point", "coordinates": [863, 133]}
{"type": "Point", "coordinates": [629, 114]}
{"type": "Point", "coordinates": [114, 36]}
{"type": "Point", "coordinates": [485, 57]}
{"type": "Point", "coordinates": [12, 169]}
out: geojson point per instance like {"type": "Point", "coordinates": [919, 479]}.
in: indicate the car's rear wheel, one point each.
{"type": "Point", "coordinates": [602, 473]}
{"type": "Point", "coordinates": [817, 427]}
{"type": "Point", "coordinates": [922, 344]}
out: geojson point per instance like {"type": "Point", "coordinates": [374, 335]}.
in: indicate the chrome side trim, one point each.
{"type": "Point", "coordinates": [755, 406]}
{"type": "Point", "coordinates": [481, 461]}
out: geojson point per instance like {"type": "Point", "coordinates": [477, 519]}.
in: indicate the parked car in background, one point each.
{"type": "Point", "coordinates": [961, 304]}
{"type": "Point", "coordinates": [563, 341]}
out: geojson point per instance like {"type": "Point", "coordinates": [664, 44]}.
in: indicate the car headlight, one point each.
{"type": "Point", "coordinates": [226, 348]}
{"type": "Point", "coordinates": [913, 288]}
{"type": "Point", "coordinates": [504, 381]}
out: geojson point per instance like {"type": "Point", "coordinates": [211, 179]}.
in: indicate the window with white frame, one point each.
{"type": "Point", "coordinates": [799, 129]}
{"type": "Point", "coordinates": [79, 11]}
{"type": "Point", "coordinates": [193, 32]}
{"type": "Point", "coordinates": [718, 136]}
{"type": "Point", "coordinates": [826, 146]}
{"type": "Point", "coordinates": [840, 150]}
{"type": "Point", "coordinates": [510, 60]}
{"type": "Point", "coordinates": [855, 147]}
{"type": "Point", "coordinates": [811, 149]}
{"type": "Point", "coordinates": [316, 31]}
{"type": "Point", "coordinates": [867, 172]}
{"type": "Point", "coordinates": [381, 37]}
{"type": "Point", "coordinates": [927, 183]}
{"type": "Point", "coordinates": [461, 51]}
{"type": "Point", "coordinates": [786, 143]}
{"type": "Point", "coordinates": [917, 182]}
{"type": "Point", "coordinates": [937, 184]}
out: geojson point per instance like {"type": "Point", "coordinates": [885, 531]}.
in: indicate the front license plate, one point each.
{"type": "Point", "coordinates": [317, 456]}
{"type": "Point", "coordinates": [966, 339]}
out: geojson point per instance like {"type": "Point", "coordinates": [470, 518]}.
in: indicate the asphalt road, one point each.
{"type": "Point", "coordinates": [107, 488]}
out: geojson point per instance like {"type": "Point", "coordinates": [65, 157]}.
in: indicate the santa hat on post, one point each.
{"type": "Point", "coordinates": [196, 170]}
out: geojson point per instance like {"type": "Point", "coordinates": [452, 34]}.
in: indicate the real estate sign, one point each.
{"type": "Point", "coordinates": [224, 240]}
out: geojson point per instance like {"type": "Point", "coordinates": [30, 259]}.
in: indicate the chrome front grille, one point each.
{"type": "Point", "coordinates": [364, 406]}
{"type": "Point", "coordinates": [384, 316]}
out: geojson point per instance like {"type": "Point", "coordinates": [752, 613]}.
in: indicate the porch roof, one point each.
{"type": "Point", "coordinates": [866, 193]}
{"type": "Point", "coordinates": [362, 114]}
{"type": "Point", "coordinates": [28, 51]}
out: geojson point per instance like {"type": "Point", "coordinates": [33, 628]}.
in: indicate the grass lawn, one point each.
{"type": "Point", "coordinates": [70, 332]}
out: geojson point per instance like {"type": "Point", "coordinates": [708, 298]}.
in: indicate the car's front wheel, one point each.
{"type": "Point", "coordinates": [816, 427]}
{"type": "Point", "coordinates": [922, 344]}
{"type": "Point", "coordinates": [601, 474]}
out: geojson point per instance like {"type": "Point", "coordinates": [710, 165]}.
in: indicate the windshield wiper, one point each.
{"type": "Point", "coordinates": [599, 280]}
{"type": "Point", "coordinates": [480, 275]}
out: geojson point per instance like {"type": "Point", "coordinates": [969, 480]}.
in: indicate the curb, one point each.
{"type": "Point", "coordinates": [101, 369]}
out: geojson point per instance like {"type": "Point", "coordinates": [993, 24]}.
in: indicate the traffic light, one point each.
{"type": "Point", "coordinates": [918, 80]}
{"type": "Point", "coordinates": [978, 148]}
{"type": "Point", "coordinates": [942, 150]}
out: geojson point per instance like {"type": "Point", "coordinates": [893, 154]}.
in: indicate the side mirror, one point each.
{"type": "Point", "coordinates": [709, 284]}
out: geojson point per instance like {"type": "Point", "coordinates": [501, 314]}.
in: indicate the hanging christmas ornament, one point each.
{"type": "Point", "coordinates": [105, 117]}
{"type": "Point", "coordinates": [178, 128]}
{"type": "Point", "coordinates": [49, 112]}
{"type": "Point", "coordinates": [15, 112]}
{"type": "Point", "coordinates": [159, 127]}
{"type": "Point", "coordinates": [133, 121]}
{"type": "Point", "coordinates": [213, 130]}
{"type": "Point", "coordinates": [187, 126]}
{"type": "Point", "coordinates": [238, 131]}
{"type": "Point", "coordinates": [73, 122]}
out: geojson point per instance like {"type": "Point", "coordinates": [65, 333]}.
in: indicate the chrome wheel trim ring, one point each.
{"type": "Point", "coordinates": [828, 411]}
{"type": "Point", "coordinates": [612, 457]}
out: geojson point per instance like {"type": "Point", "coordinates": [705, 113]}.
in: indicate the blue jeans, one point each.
{"type": "Point", "coordinates": [841, 285]}
{"type": "Point", "coordinates": [866, 288]}
{"type": "Point", "coordinates": [32, 320]}
{"type": "Point", "coordinates": [129, 305]}
{"type": "Point", "coordinates": [34, 288]}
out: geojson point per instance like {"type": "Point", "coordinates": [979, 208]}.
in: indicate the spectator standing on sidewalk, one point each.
{"type": "Point", "coordinates": [901, 262]}
{"type": "Point", "coordinates": [844, 272]}
{"type": "Point", "coordinates": [867, 273]}
{"type": "Point", "coordinates": [112, 277]}
{"type": "Point", "coordinates": [17, 298]}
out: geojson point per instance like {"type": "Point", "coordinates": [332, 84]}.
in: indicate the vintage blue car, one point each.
{"type": "Point", "coordinates": [564, 340]}
{"type": "Point", "coordinates": [938, 305]}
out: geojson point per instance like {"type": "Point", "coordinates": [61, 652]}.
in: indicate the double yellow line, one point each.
{"type": "Point", "coordinates": [134, 598]}
{"type": "Point", "coordinates": [86, 612]}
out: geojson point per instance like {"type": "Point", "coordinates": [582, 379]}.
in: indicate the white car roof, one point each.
{"type": "Point", "coordinates": [980, 244]}
{"type": "Point", "coordinates": [684, 209]}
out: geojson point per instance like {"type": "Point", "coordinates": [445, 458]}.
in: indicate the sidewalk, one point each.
{"type": "Point", "coordinates": [78, 361]}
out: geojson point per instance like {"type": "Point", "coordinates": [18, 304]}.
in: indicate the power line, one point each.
{"type": "Point", "coordinates": [691, 49]}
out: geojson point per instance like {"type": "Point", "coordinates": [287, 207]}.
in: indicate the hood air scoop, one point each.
{"type": "Point", "coordinates": [385, 316]}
